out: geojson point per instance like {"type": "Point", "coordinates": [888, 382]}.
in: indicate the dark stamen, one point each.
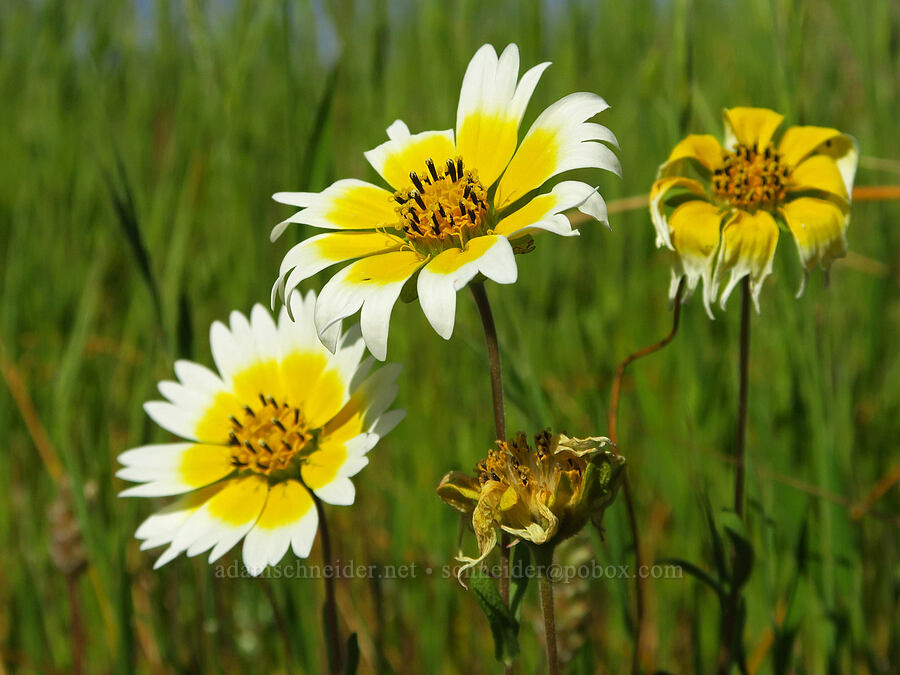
{"type": "Point", "coordinates": [467, 191]}
{"type": "Point", "coordinates": [462, 208]}
{"type": "Point", "coordinates": [414, 177]}
{"type": "Point", "coordinates": [430, 164]}
{"type": "Point", "coordinates": [418, 197]}
{"type": "Point", "coordinates": [399, 199]}
{"type": "Point", "coordinates": [451, 169]}
{"type": "Point", "coordinates": [459, 169]}
{"type": "Point", "coordinates": [263, 399]}
{"type": "Point", "coordinates": [235, 422]}
{"type": "Point", "coordinates": [436, 227]}
{"type": "Point", "coordinates": [232, 439]}
{"type": "Point", "coordinates": [250, 447]}
{"type": "Point", "coordinates": [472, 216]}
{"type": "Point", "coordinates": [277, 423]}
{"type": "Point", "coordinates": [249, 411]}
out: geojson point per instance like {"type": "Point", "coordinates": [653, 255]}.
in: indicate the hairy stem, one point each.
{"type": "Point", "coordinates": [740, 439]}
{"type": "Point", "coordinates": [493, 350]}
{"type": "Point", "coordinates": [335, 659]}
{"type": "Point", "coordinates": [479, 293]}
{"type": "Point", "coordinates": [639, 581]}
{"type": "Point", "coordinates": [732, 605]}
{"type": "Point", "coordinates": [545, 587]}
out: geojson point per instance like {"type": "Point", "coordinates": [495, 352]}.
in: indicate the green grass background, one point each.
{"type": "Point", "coordinates": [212, 107]}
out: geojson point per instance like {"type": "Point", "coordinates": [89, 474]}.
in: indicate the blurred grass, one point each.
{"type": "Point", "coordinates": [214, 106]}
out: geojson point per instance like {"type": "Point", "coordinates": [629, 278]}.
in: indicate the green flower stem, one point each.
{"type": "Point", "coordinates": [335, 659]}
{"type": "Point", "coordinates": [741, 434]}
{"type": "Point", "coordinates": [493, 349]}
{"type": "Point", "coordinates": [732, 604]}
{"type": "Point", "coordinates": [543, 557]}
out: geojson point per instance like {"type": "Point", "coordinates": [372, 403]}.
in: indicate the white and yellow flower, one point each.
{"type": "Point", "coordinates": [454, 204]}
{"type": "Point", "coordinates": [720, 208]}
{"type": "Point", "coordinates": [282, 417]}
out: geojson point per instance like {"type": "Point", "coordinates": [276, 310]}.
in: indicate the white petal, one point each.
{"type": "Point", "coordinates": [298, 199]}
{"type": "Point", "coordinates": [395, 158]}
{"type": "Point", "coordinates": [203, 531]}
{"type": "Point", "coordinates": [378, 392]}
{"type": "Point", "coordinates": [303, 533]}
{"type": "Point", "coordinates": [346, 358]}
{"type": "Point", "coordinates": [398, 130]}
{"type": "Point", "coordinates": [348, 204]}
{"type": "Point", "coordinates": [491, 105]}
{"type": "Point", "coordinates": [453, 269]}
{"type": "Point", "coordinates": [560, 140]}
{"type": "Point", "coordinates": [358, 286]}
{"type": "Point", "coordinates": [197, 377]}
{"type": "Point", "coordinates": [386, 423]}
{"type": "Point", "coordinates": [161, 468]}
{"type": "Point", "coordinates": [161, 527]}
{"type": "Point", "coordinates": [544, 212]}
{"type": "Point", "coordinates": [288, 504]}
{"type": "Point", "coordinates": [265, 331]}
{"type": "Point", "coordinates": [317, 253]}
{"type": "Point", "coordinates": [229, 355]}
{"type": "Point", "coordinates": [339, 492]}
{"type": "Point", "coordinates": [172, 418]}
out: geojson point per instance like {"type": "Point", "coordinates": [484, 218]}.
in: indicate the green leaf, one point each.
{"type": "Point", "coordinates": [122, 198]}
{"type": "Point", "coordinates": [743, 548]}
{"type": "Point", "coordinates": [695, 571]}
{"type": "Point", "coordinates": [312, 153]}
{"type": "Point", "coordinates": [504, 627]}
{"type": "Point", "coordinates": [518, 578]}
{"type": "Point", "coordinates": [352, 653]}
{"type": "Point", "coordinates": [718, 549]}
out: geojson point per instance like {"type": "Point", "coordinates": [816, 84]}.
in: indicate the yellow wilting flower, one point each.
{"type": "Point", "coordinates": [541, 496]}
{"type": "Point", "coordinates": [282, 416]}
{"type": "Point", "coordinates": [455, 202]}
{"type": "Point", "coordinates": [720, 208]}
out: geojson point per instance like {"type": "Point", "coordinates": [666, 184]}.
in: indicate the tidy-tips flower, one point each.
{"type": "Point", "coordinates": [455, 202]}
{"type": "Point", "coordinates": [282, 417]}
{"type": "Point", "coordinates": [542, 495]}
{"type": "Point", "coordinates": [720, 208]}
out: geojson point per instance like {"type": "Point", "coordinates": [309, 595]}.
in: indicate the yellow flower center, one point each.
{"type": "Point", "coordinates": [445, 206]}
{"type": "Point", "coordinates": [268, 438]}
{"type": "Point", "coordinates": [750, 178]}
{"type": "Point", "coordinates": [530, 472]}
